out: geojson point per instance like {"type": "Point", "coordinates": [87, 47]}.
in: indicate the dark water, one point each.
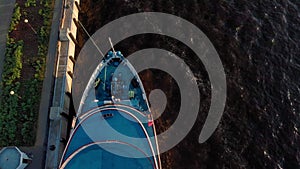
{"type": "Point", "coordinates": [258, 43]}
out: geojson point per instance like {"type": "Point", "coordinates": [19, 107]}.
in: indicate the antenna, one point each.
{"type": "Point", "coordinates": [112, 46]}
{"type": "Point", "coordinates": [68, 7]}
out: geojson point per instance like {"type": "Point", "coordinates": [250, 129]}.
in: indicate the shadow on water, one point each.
{"type": "Point", "coordinates": [258, 43]}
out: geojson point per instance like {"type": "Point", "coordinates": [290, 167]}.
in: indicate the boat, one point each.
{"type": "Point", "coordinates": [113, 127]}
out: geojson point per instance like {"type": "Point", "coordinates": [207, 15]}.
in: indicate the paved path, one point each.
{"type": "Point", "coordinates": [6, 10]}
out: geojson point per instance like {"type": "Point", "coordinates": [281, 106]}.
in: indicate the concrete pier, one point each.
{"type": "Point", "coordinates": [59, 116]}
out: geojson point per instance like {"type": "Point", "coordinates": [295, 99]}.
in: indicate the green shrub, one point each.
{"type": "Point", "coordinates": [13, 62]}
{"type": "Point", "coordinates": [15, 18]}
{"type": "Point", "coordinates": [9, 115]}
{"type": "Point", "coordinates": [29, 3]}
